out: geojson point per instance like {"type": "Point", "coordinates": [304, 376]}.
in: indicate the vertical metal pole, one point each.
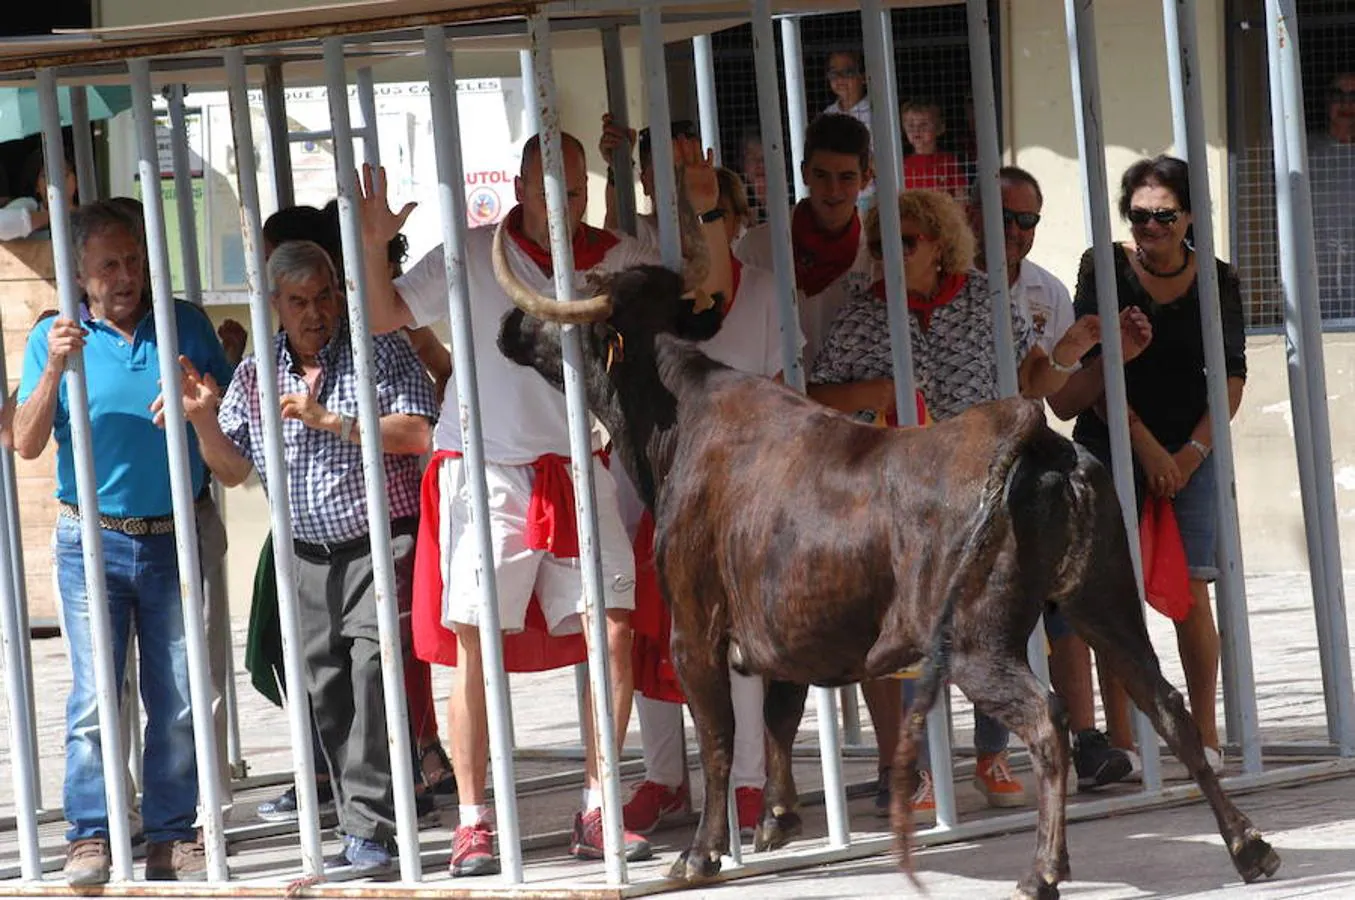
{"type": "Point", "coordinates": [660, 131]}
{"type": "Point", "coordinates": [371, 139]}
{"type": "Point", "coordinates": [1082, 63]}
{"type": "Point", "coordinates": [623, 174]}
{"type": "Point", "coordinates": [180, 478]}
{"type": "Point", "coordinates": [275, 114]}
{"type": "Point", "coordinates": [580, 441]}
{"type": "Point", "coordinates": [890, 93]}
{"type": "Point", "coordinates": [703, 56]}
{"type": "Point", "coordinates": [373, 469]}
{"type": "Point", "coordinates": [778, 214]}
{"type": "Point", "coordinates": [878, 51]}
{"type": "Point", "coordinates": [275, 460]}
{"type": "Point", "coordinates": [1176, 80]}
{"type": "Point", "coordinates": [452, 203]}
{"type": "Point", "coordinates": [86, 488]}
{"type": "Point", "coordinates": [235, 757]}
{"type": "Point", "coordinates": [1297, 241]}
{"type": "Point", "coordinates": [86, 175]}
{"type": "Point", "coordinates": [531, 101]}
{"type": "Point", "coordinates": [183, 191]}
{"type": "Point", "coordinates": [1233, 623]}
{"type": "Point", "coordinates": [797, 111]}
{"type": "Point", "coordinates": [23, 766]}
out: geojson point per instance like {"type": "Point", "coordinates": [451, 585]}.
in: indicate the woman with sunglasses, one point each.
{"type": "Point", "coordinates": [1156, 272]}
{"type": "Point", "coordinates": [955, 364]}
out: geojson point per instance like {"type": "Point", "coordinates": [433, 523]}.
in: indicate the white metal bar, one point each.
{"type": "Point", "coordinates": [373, 469]}
{"type": "Point", "coordinates": [86, 485]}
{"type": "Point", "coordinates": [371, 140]}
{"type": "Point", "coordinates": [580, 445]}
{"type": "Point", "coordinates": [86, 175]}
{"type": "Point", "coordinates": [279, 505]}
{"type": "Point", "coordinates": [1082, 63]}
{"type": "Point", "coordinates": [660, 136]}
{"type": "Point", "coordinates": [797, 108]}
{"type": "Point", "coordinates": [183, 191]}
{"type": "Point", "coordinates": [778, 214]}
{"type": "Point", "coordinates": [708, 108]}
{"type": "Point", "coordinates": [275, 114]}
{"type": "Point", "coordinates": [180, 477]}
{"type": "Point", "coordinates": [531, 102]}
{"type": "Point", "coordinates": [1176, 78]}
{"type": "Point", "coordinates": [452, 204]}
{"type": "Point", "coordinates": [623, 173]}
{"type": "Point", "coordinates": [1297, 241]}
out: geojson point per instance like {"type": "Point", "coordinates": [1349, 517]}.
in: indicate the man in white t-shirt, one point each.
{"type": "Point", "coordinates": [526, 445]}
{"type": "Point", "coordinates": [832, 262]}
{"type": "Point", "coordinates": [1046, 304]}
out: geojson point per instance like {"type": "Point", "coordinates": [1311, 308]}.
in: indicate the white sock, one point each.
{"type": "Point", "coordinates": [472, 814]}
{"type": "Point", "coordinates": [592, 799]}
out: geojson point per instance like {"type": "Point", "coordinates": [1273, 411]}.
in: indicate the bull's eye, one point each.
{"type": "Point", "coordinates": [616, 348]}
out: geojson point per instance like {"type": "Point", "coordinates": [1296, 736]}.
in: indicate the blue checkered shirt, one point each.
{"type": "Point", "coordinates": [324, 473]}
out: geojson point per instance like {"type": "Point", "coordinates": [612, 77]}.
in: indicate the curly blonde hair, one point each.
{"type": "Point", "coordinates": [941, 218]}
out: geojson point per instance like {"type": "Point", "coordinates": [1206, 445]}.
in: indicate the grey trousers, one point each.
{"type": "Point", "coordinates": [343, 676]}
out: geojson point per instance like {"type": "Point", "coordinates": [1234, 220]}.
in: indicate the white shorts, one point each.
{"type": "Point", "coordinates": [518, 569]}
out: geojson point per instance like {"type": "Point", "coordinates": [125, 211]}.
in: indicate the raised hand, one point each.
{"type": "Point", "coordinates": [1080, 337]}
{"type": "Point", "coordinates": [1136, 332]}
{"type": "Point", "coordinates": [233, 338]}
{"type": "Point", "coordinates": [614, 136]}
{"type": "Point", "coordinates": [201, 395]}
{"type": "Point", "coordinates": [379, 224]}
{"type": "Point", "coordinates": [696, 170]}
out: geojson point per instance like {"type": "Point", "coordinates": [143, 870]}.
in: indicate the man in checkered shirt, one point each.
{"type": "Point", "coordinates": [323, 445]}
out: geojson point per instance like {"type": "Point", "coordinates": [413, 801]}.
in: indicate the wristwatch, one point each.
{"type": "Point", "coordinates": [346, 424]}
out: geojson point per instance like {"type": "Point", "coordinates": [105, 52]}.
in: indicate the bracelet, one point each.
{"type": "Point", "coordinates": [1199, 448]}
{"type": "Point", "coordinates": [1061, 368]}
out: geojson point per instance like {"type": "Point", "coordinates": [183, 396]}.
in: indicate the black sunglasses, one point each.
{"type": "Point", "coordinates": [1140, 216]}
{"type": "Point", "coordinates": [1023, 220]}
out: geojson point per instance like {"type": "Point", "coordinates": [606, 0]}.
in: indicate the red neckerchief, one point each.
{"type": "Point", "coordinates": [590, 244]}
{"type": "Point", "coordinates": [821, 259]}
{"type": "Point", "coordinates": [923, 307]}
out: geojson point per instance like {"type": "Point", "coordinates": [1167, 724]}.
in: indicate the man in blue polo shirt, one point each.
{"type": "Point", "coordinates": [116, 338]}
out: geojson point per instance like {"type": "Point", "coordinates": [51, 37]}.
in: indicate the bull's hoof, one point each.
{"type": "Point", "coordinates": [691, 866]}
{"type": "Point", "coordinates": [1035, 889]}
{"type": "Point", "coordinates": [775, 832]}
{"type": "Point", "coordinates": [1254, 858]}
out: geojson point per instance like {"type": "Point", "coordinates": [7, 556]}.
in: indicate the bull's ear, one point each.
{"type": "Point", "coordinates": [699, 326]}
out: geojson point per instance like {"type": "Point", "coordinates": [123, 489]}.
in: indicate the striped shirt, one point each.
{"type": "Point", "coordinates": [325, 483]}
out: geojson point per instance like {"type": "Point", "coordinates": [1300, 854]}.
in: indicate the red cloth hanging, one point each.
{"type": "Point", "coordinates": [1166, 575]}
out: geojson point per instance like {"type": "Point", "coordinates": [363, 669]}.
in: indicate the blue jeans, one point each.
{"type": "Point", "coordinates": [143, 593]}
{"type": "Point", "coordinates": [990, 736]}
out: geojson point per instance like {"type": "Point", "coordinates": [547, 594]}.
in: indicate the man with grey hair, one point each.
{"type": "Point", "coordinates": [116, 338]}
{"type": "Point", "coordinates": [318, 383]}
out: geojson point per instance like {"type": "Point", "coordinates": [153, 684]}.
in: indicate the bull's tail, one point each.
{"type": "Point", "coordinates": [972, 569]}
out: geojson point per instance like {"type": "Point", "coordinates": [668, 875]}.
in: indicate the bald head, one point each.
{"type": "Point", "coordinates": [531, 153]}
{"type": "Point", "coordinates": [530, 187]}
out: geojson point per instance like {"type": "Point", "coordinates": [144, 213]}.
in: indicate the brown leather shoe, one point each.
{"type": "Point", "coordinates": [87, 862]}
{"type": "Point", "coordinates": [178, 860]}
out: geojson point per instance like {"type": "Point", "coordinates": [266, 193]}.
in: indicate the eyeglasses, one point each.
{"type": "Point", "coordinates": [1023, 220]}
{"type": "Point", "coordinates": [910, 242]}
{"type": "Point", "coordinates": [1140, 216]}
{"type": "Point", "coordinates": [843, 73]}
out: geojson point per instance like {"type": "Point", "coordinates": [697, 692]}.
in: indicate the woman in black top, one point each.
{"type": "Point", "coordinates": [1169, 422]}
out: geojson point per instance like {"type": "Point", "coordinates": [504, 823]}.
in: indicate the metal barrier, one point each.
{"type": "Point", "coordinates": [1307, 389]}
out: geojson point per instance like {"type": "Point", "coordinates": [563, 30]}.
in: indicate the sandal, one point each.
{"type": "Point", "coordinates": [437, 769]}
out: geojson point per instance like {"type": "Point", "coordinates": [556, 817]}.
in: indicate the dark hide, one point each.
{"type": "Point", "coordinates": [825, 552]}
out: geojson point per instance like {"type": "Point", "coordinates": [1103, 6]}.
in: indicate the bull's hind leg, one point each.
{"type": "Point", "coordinates": [1129, 655]}
{"type": "Point", "coordinates": [704, 671]}
{"type": "Point", "coordinates": [782, 709]}
{"type": "Point", "coordinates": [1005, 689]}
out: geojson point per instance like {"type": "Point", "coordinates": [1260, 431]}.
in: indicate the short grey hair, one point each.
{"type": "Point", "coordinates": [97, 218]}
{"type": "Point", "coordinates": [296, 261]}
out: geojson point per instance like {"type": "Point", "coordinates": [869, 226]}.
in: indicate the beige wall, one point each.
{"type": "Point", "coordinates": [1135, 106]}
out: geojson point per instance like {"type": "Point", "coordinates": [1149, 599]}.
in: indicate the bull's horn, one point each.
{"type": "Point", "coordinates": [696, 265]}
{"type": "Point", "coordinates": [576, 312]}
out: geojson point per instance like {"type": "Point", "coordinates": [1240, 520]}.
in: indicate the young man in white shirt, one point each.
{"type": "Point", "coordinates": [526, 445]}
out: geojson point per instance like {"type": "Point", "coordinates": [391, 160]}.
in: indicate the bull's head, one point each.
{"type": "Point", "coordinates": [621, 330]}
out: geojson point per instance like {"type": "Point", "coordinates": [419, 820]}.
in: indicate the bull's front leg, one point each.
{"type": "Point", "coordinates": [704, 672]}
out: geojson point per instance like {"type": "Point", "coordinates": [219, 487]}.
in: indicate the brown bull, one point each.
{"type": "Point", "coordinates": [815, 550]}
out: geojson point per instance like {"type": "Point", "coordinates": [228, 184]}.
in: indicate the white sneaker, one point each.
{"type": "Point", "coordinates": [1135, 768]}
{"type": "Point", "coordinates": [1215, 759]}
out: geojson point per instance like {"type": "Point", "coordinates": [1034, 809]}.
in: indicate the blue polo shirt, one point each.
{"type": "Point", "coordinates": [131, 457]}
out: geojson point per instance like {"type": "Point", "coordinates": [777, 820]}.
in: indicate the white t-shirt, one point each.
{"type": "Point", "coordinates": [817, 312]}
{"type": "Point", "coordinates": [860, 112]}
{"type": "Point", "coordinates": [1045, 302]}
{"type": "Point", "coordinates": [523, 417]}
{"type": "Point", "coordinates": [16, 219]}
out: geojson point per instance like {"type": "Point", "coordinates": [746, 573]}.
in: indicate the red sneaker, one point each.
{"type": "Point", "coordinates": [586, 842]}
{"type": "Point", "coordinates": [748, 801]}
{"type": "Point", "coordinates": [993, 778]}
{"type": "Point", "coordinates": [650, 803]}
{"type": "Point", "coordinates": [473, 851]}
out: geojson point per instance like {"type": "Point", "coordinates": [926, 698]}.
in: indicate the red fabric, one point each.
{"type": "Point", "coordinates": [590, 244]}
{"type": "Point", "coordinates": [551, 525]}
{"type": "Point", "coordinates": [735, 276]}
{"type": "Point", "coordinates": [1166, 576]}
{"type": "Point", "coordinates": [934, 172]}
{"type": "Point", "coordinates": [652, 643]}
{"type": "Point", "coordinates": [532, 650]}
{"type": "Point", "coordinates": [423, 715]}
{"type": "Point", "coordinates": [946, 291]}
{"type": "Point", "coordinates": [820, 259]}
